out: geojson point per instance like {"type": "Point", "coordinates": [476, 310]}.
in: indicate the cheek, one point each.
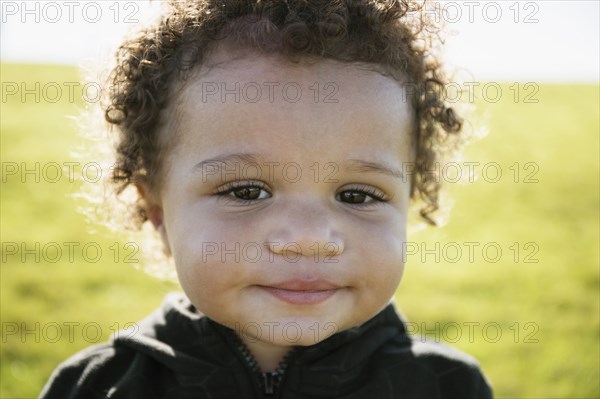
{"type": "Point", "coordinates": [384, 256]}
{"type": "Point", "coordinates": [208, 253]}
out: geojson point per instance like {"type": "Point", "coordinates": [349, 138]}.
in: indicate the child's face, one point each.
{"type": "Point", "coordinates": [289, 259]}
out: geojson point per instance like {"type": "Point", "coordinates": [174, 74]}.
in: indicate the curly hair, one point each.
{"type": "Point", "coordinates": [392, 34]}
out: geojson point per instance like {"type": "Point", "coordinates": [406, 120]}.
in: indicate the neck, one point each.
{"type": "Point", "coordinates": [267, 356]}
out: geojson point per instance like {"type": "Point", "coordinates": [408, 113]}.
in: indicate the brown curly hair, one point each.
{"type": "Point", "coordinates": [394, 35]}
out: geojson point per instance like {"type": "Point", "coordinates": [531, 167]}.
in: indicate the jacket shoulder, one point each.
{"type": "Point", "coordinates": [441, 370]}
{"type": "Point", "coordinates": [89, 373]}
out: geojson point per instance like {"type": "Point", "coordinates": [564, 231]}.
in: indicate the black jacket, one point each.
{"type": "Point", "coordinates": [179, 354]}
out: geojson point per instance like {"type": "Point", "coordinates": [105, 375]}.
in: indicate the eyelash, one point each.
{"type": "Point", "coordinates": [224, 192]}
{"type": "Point", "coordinates": [378, 197]}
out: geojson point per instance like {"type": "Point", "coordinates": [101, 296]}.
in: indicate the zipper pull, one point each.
{"type": "Point", "coordinates": [270, 381]}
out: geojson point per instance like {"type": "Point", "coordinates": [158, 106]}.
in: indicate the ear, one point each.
{"type": "Point", "coordinates": [154, 212]}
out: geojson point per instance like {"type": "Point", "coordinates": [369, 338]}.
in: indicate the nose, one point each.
{"type": "Point", "coordinates": [305, 229]}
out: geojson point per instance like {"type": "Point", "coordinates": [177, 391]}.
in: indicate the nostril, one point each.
{"type": "Point", "coordinates": [279, 247]}
{"type": "Point", "coordinates": [319, 250]}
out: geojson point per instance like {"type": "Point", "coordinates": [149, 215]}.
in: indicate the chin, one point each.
{"type": "Point", "coordinates": [290, 330]}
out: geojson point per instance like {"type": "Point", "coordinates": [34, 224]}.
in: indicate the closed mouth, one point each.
{"type": "Point", "coordinates": [302, 292]}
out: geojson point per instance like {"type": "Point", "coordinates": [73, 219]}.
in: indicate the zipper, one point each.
{"type": "Point", "coordinates": [269, 382]}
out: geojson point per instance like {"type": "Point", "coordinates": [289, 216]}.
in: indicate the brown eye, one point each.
{"type": "Point", "coordinates": [247, 193]}
{"type": "Point", "coordinates": [354, 197]}
{"type": "Point", "coordinates": [361, 195]}
{"type": "Point", "coordinates": [244, 191]}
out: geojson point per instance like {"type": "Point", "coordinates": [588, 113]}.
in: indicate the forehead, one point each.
{"type": "Point", "coordinates": [323, 107]}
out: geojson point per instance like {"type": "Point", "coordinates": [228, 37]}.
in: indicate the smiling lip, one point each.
{"type": "Point", "coordinates": [302, 292]}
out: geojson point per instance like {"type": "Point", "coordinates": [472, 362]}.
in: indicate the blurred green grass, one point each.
{"type": "Point", "coordinates": [556, 355]}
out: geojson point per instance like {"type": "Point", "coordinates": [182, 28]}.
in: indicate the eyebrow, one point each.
{"type": "Point", "coordinates": [245, 158]}
{"type": "Point", "coordinates": [353, 165]}
{"type": "Point", "coordinates": [360, 166]}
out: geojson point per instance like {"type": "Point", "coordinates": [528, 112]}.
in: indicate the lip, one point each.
{"type": "Point", "coordinates": [302, 292]}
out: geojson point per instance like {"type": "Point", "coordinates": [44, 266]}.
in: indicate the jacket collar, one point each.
{"type": "Point", "coordinates": [195, 347]}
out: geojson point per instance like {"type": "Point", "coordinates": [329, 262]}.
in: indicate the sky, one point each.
{"type": "Point", "coordinates": [507, 40]}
